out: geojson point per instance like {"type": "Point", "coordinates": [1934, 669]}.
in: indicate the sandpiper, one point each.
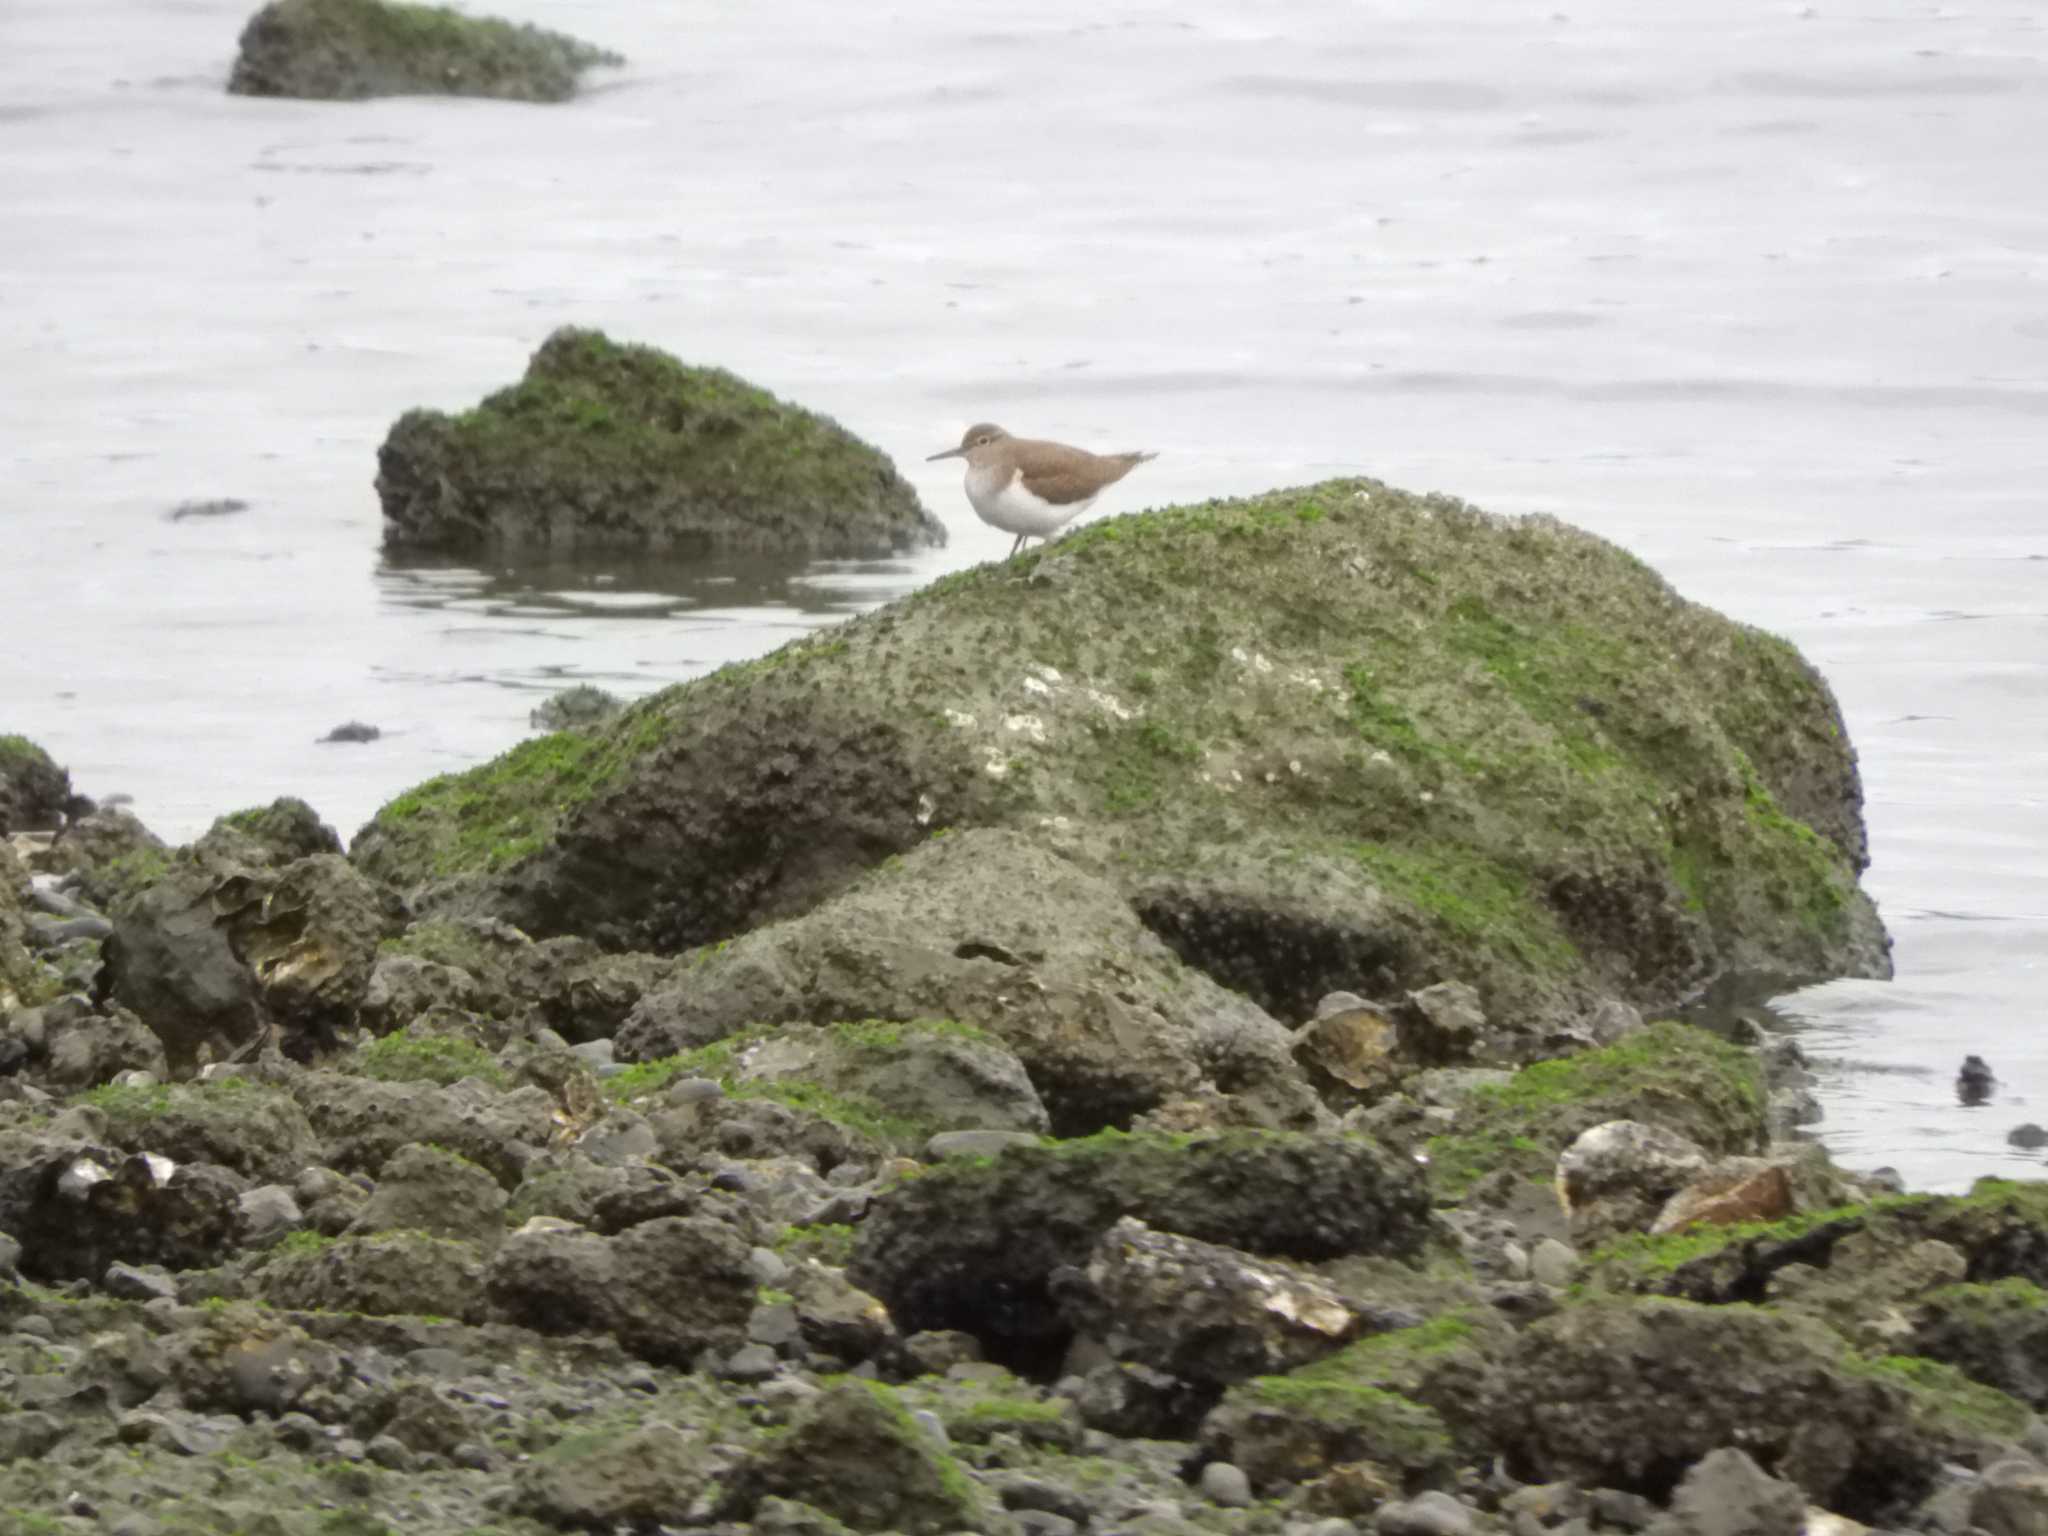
{"type": "Point", "coordinates": [1028, 487]}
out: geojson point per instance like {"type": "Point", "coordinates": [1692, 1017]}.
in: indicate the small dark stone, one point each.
{"type": "Point", "coordinates": [218, 506]}
{"type": "Point", "coordinates": [1975, 1082]}
{"type": "Point", "coordinates": [129, 1282]}
{"type": "Point", "coordinates": [2027, 1137]}
{"type": "Point", "coordinates": [354, 730]}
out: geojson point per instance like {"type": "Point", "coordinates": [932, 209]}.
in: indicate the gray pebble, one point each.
{"type": "Point", "coordinates": [1553, 1263]}
{"type": "Point", "coordinates": [750, 1362]}
{"type": "Point", "coordinates": [932, 1425]}
{"type": "Point", "coordinates": [1427, 1514]}
{"type": "Point", "coordinates": [1043, 1522]}
{"type": "Point", "coordinates": [129, 1282]}
{"type": "Point", "coordinates": [693, 1090]}
{"type": "Point", "coordinates": [1227, 1485]}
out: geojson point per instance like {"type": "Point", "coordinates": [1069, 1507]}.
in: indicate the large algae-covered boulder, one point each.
{"type": "Point", "coordinates": [1330, 738]}
{"type": "Point", "coordinates": [346, 50]}
{"type": "Point", "coordinates": [610, 446]}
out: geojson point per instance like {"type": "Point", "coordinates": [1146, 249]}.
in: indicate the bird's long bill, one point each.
{"type": "Point", "coordinates": [950, 453]}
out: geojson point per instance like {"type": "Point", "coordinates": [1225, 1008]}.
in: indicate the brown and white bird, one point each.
{"type": "Point", "coordinates": [1031, 488]}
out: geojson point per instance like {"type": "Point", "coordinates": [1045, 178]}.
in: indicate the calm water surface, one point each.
{"type": "Point", "coordinates": [1758, 290]}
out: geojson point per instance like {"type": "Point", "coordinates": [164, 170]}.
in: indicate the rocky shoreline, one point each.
{"type": "Point", "coordinates": [1164, 1034]}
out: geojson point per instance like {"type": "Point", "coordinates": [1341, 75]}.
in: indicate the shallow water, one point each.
{"type": "Point", "coordinates": [1758, 290]}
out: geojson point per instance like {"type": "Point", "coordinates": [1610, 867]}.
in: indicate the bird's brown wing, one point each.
{"type": "Point", "coordinates": [1062, 475]}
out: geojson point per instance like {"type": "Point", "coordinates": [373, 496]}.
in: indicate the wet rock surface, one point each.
{"type": "Point", "coordinates": [351, 49]}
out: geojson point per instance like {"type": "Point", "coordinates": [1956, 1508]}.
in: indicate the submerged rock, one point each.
{"type": "Point", "coordinates": [1335, 738]}
{"type": "Point", "coordinates": [603, 445]}
{"type": "Point", "coordinates": [348, 50]}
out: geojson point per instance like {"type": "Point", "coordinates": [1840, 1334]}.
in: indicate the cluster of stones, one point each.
{"type": "Point", "coordinates": [752, 1111]}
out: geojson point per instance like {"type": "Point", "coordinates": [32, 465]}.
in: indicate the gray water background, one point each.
{"type": "Point", "coordinates": [1758, 290]}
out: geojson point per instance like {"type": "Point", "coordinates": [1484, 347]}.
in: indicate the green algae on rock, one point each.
{"type": "Point", "coordinates": [1321, 738]}
{"type": "Point", "coordinates": [34, 791]}
{"type": "Point", "coordinates": [1627, 1392]}
{"type": "Point", "coordinates": [1999, 1231]}
{"type": "Point", "coordinates": [1672, 1075]}
{"type": "Point", "coordinates": [348, 50]}
{"type": "Point", "coordinates": [1404, 1399]}
{"type": "Point", "coordinates": [603, 445]}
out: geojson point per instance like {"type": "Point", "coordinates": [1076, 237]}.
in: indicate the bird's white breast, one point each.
{"type": "Point", "coordinates": [1001, 501]}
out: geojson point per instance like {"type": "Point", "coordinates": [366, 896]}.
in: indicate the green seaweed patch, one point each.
{"type": "Point", "coordinates": [721, 1062]}
{"type": "Point", "coordinates": [298, 1244]}
{"type": "Point", "coordinates": [1944, 1398]}
{"type": "Point", "coordinates": [208, 1099]}
{"type": "Point", "coordinates": [1369, 1422]}
{"type": "Point", "coordinates": [823, 1242]}
{"type": "Point", "coordinates": [492, 817]}
{"type": "Point", "coordinates": [443, 943]}
{"type": "Point", "coordinates": [1491, 905]}
{"type": "Point", "coordinates": [18, 752]}
{"type": "Point", "coordinates": [1991, 1300]}
{"type": "Point", "coordinates": [408, 1058]}
{"type": "Point", "coordinates": [952, 1477]}
{"type": "Point", "coordinates": [1639, 1261]}
{"type": "Point", "coordinates": [1666, 1073]}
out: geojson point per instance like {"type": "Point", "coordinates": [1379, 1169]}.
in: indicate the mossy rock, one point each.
{"type": "Point", "coordinates": [1405, 1400]}
{"type": "Point", "coordinates": [1320, 738]}
{"type": "Point", "coordinates": [1997, 1334]}
{"type": "Point", "coordinates": [34, 791]}
{"type": "Point", "coordinates": [21, 978]}
{"type": "Point", "coordinates": [1671, 1075]}
{"type": "Point", "coordinates": [347, 50]}
{"type": "Point", "coordinates": [255, 1129]}
{"type": "Point", "coordinates": [973, 1245]}
{"type": "Point", "coordinates": [2000, 1228]}
{"type": "Point", "coordinates": [855, 1453]}
{"type": "Point", "coordinates": [414, 1056]}
{"type": "Point", "coordinates": [603, 445]}
{"type": "Point", "coordinates": [1627, 1393]}
{"type": "Point", "coordinates": [894, 1083]}
{"type": "Point", "coordinates": [383, 1274]}
{"type": "Point", "coordinates": [1098, 1010]}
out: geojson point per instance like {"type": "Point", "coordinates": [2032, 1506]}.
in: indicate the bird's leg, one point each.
{"type": "Point", "coordinates": [1015, 547]}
